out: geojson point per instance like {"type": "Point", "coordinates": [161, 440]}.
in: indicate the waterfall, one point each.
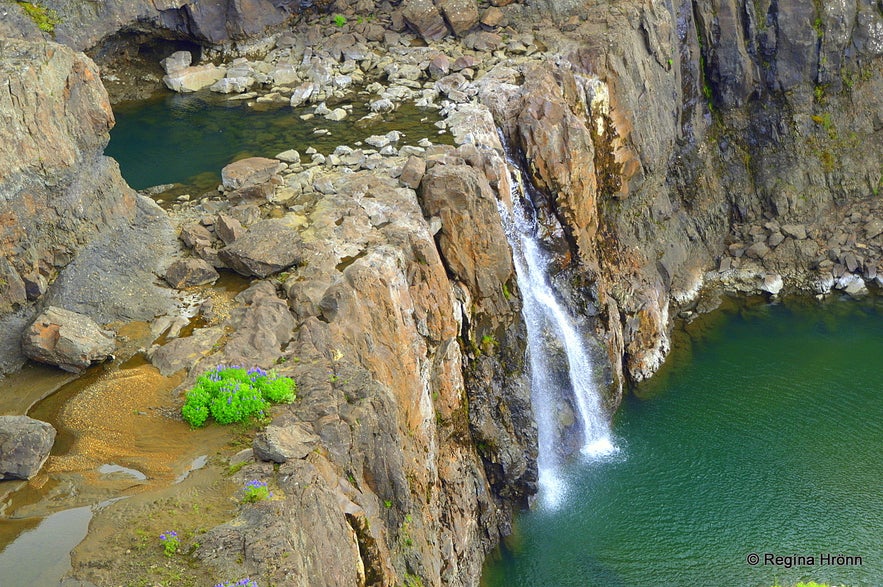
{"type": "Point", "coordinates": [560, 366]}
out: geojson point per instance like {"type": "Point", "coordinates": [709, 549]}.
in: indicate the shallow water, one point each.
{"type": "Point", "coordinates": [767, 440]}
{"type": "Point", "coordinates": [189, 138]}
{"type": "Point", "coordinates": [115, 438]}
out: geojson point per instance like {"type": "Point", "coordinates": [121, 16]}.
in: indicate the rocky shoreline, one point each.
{"type": "Point", "coordinates": [381, 280]}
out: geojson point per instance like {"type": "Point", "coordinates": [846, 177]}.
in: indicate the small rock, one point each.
{"type": "Point", "coordinates": [291, 156]}
{"type": "Point", "coordinates": [492, 17]}
{"type": "Point", "coordinates": [284, 74]}
{"type": "Point", "coordinates": [412, 172]}
{"type": "Point", "coordinates": [851, 284]}
{"type": "Point", "coordinates": [228, 228]}
{"type": "Point", "coordinates": [35, 285]}
{"type": "Point", "coordinates": [194, 232]}
{"type": "Point", "coordinates": [67, 339]}
{"type": "Point", "coordinates": [231, 85]}
{"type": "Point", "coordinates": [336, 115]}
{"type": "Point", "coordinates": [382, 105]}
{"type": "Point", "coordinates": [851, 262]}
{"type": "Point", "coordinates": [426, 19]}
{"type": "Point", "coordinates": [874, 228]}
{"type": "Point", "coordinates": [24, 446]}
{"type": "Point", "coordinates": [248, 172]}
{"type": "Point", "coordinates": [796, 231]}
{"type": "Point", "coordinates": [757, 251]}
{"type": "Point", "coordinates": [191, 272]}
{"type": "Point", "coordinates": [465, 62]}
{"type": "Point", "coordinates": [301, 94]}
{"type": "Point", "coordinates": [483, 41]}
{"type": "Point", "coordinates": [775, 239]}
{"type": "Point", "coordinates": [439, 66]}
{"type": "Point", "coordinates": [377, 141]}
{"type": "Point", "coordinates": [772, 284]}
{"type": "Point", "coordinates": [461, 15]}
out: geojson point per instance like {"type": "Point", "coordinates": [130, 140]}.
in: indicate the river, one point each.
{"type": "Point", "coordinates": [762, 437]}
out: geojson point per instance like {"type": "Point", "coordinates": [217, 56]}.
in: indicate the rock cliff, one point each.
{"type": "Point", "coordinates": [684, 145]}
{"type": "Point", "coordinates": [60, 197]}
{"type": "Point", "coordinates": [681, 146]}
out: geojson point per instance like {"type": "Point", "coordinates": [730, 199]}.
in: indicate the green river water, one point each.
{"type": "Point", "coordinates": [766, 438]}
{"type": "Point", "coordinates": [188, 138]}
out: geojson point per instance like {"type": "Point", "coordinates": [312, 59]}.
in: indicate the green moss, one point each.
{"type": "Point", "coordinates": [46, 19]}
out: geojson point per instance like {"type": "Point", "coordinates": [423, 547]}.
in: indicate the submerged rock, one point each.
{"type": "Point", "coordinates": [67, 339]}
{"type": "Point", "coordinates": [24, 446]}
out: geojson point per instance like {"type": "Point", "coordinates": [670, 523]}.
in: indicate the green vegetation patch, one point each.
{"type": "Point", "coordinates": [46, 19]}
{"type": "Point", "coordinates": [232, 394]}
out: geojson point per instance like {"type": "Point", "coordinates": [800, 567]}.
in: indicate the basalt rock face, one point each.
{"type": "Point", "coordinates": [389, 467]}
{"type": "Point", "coordinates": [82, 25]}
{"type": "Point", "coordinates": [677, 150]}
{"type": "Point", "coordinates": [60, 197]}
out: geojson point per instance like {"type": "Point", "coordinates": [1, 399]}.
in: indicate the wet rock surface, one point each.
{"type": "Point", "coordinates": [24, 446]}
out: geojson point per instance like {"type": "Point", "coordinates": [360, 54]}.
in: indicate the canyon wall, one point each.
{"type": "Point", "coordinates": [683, 146]}
{"type": "Point", "coordinates": [701, 145]}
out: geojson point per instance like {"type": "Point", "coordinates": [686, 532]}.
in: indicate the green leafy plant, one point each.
{"type": "Point", "coordinates": [46, 19]}
{"type": "Point", "coordinates": [170, 542]}
{"type": "Point", "coordinates": [339, 20]}
{"type": "Point", "coordinates": [232, 394]}
{"type": "Point", "coordinates": [255, 491]}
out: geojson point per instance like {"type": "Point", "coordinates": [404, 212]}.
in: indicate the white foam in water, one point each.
{"type": "Point", "coordinates": [552, 489]}
{"type": "Point", "coordinates": [600, 448]}
{"type": "Point", "coordinates": [545, 316]}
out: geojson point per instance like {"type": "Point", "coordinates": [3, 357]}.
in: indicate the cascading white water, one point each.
{"type": "Point", "coordinates": [551, 330]}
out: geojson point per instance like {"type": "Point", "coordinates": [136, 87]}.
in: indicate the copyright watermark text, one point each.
{"type": "Point", "coordinates": [824, 559]}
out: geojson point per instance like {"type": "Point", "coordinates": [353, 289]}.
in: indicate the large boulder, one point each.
{"type": "Point", "coordinates": [193, 78]}
{"type": "Point", "coordinates": [67, 339]}
{"type": "Point", "coordinates": [248, 172]}
{"type": "Point", "coordinates": [425, 18]}
{"type": "Point", "coordinates": [267, 247]}
{"type": "Point", "coordinates": [24, 446]}
{"type": "Point", "coordinates": [461, 14]}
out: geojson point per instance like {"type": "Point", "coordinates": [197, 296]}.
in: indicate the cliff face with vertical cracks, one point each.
{"type": "Point", "coordinates": [395, 455]}
{"type": "Point", "coordinates": [687, 146]}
